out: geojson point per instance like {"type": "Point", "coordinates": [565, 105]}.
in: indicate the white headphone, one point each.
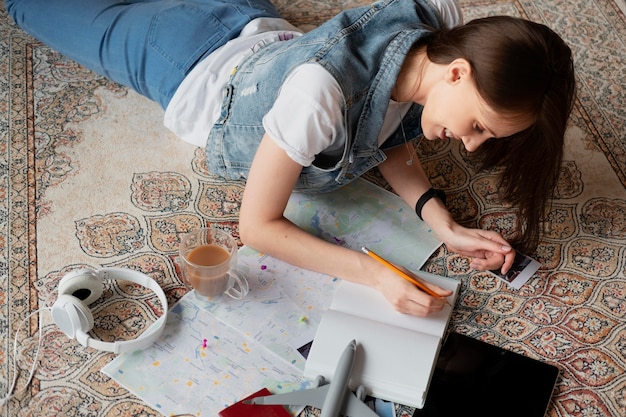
{"type": "Point", "coordinates": [82, 287]}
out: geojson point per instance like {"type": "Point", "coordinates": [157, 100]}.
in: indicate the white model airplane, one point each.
{"type": "Point", "coordinates": [332, 399]}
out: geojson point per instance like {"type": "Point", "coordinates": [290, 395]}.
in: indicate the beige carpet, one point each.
{"type": "Point", "coordinates": [89, 177]}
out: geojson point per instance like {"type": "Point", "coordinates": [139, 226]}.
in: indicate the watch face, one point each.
{"type": "Point", "coordinates": [476, 378]}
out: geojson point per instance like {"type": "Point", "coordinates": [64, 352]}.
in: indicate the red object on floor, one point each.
{"type": "Point", "coordinates": [239, 409]}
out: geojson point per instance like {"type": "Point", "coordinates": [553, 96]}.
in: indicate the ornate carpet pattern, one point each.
{"type": "Point", "coordinates": [89, 177]}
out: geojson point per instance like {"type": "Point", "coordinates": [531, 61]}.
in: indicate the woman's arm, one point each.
{"type": "Point", "coordinates": [487, 248]}
{"type": "Point", "coordinates": [263, 226]}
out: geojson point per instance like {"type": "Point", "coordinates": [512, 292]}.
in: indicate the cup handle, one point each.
{"type": "Point", "coordinates": [240, 287]}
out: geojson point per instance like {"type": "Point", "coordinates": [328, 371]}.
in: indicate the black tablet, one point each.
{"type": "Point", "coordinates": [475, 378]}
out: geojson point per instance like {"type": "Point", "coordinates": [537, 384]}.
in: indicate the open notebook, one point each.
{"type": "Point", "coordinates": [396, 354]}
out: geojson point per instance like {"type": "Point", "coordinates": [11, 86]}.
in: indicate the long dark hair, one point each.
{"type": "Point", "coordinates": [522, 69]}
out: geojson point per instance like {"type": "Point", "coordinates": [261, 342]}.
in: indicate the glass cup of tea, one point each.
{"type": "Point", "coordinates": [208, 258]}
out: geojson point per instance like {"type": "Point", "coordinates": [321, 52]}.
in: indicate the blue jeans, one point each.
{"type": "Point", "coordinates": [148, 45]}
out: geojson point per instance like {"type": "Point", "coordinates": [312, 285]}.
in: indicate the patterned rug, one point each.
{"type": "Point", "coordinates": [90, 177]}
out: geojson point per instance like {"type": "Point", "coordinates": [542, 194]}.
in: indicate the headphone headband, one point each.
{"type": "Point", "coordinates": [67, 313]}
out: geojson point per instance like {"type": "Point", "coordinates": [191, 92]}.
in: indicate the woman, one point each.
{"type": "Point", "coordinates": [311, 112]}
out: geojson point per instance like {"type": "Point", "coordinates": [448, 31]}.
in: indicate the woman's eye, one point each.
{"type": "Point", "coordinates": [478, 128]}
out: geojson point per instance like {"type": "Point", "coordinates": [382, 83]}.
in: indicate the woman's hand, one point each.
{"type": "Point", "coordinates": [406, 298]}
{"type": "Point", "coordinates": [487, 248]}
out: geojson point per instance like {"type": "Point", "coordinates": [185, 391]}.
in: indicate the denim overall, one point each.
{"type": "Point", "coordinates": [363, 49]}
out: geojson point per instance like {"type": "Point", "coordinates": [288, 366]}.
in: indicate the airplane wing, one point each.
{"type": "Point", "coordinates": [315, 397]}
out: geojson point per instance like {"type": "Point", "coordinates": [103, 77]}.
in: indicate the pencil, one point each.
{"type": "Point", "coordinates": [402, 274]}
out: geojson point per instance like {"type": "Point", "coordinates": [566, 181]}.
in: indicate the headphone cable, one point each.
{"type": "Point", "coordinates": [10, 393]}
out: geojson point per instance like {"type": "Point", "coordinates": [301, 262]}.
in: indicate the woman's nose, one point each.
{"type": "Point", "coordinates": [473, 142]}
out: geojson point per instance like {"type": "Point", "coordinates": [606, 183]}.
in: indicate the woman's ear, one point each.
{"type": "Point", "coordinates": [457, 70]}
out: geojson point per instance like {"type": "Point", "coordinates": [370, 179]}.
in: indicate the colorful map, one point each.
{"type": "Point", "coordinates": [363, 214]}
{"type": "Point", "coordinates": [183, 374]}
{"type": "Point", "coordinates": [214, 353]}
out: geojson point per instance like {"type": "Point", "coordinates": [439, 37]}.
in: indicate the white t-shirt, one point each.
{"type": "Point", "coordinates": [196, 105]}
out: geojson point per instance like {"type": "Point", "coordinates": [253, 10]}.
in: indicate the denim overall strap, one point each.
{"type": "Point", "coordinates": [363, 49]}
{"type": "Point", "coordinates": [149, 46]}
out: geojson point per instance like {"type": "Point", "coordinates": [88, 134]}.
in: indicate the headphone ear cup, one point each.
{"type": "Point", "coordinates": [71, 315]}
{"type": "Point", "coordinates": [82, 284]}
